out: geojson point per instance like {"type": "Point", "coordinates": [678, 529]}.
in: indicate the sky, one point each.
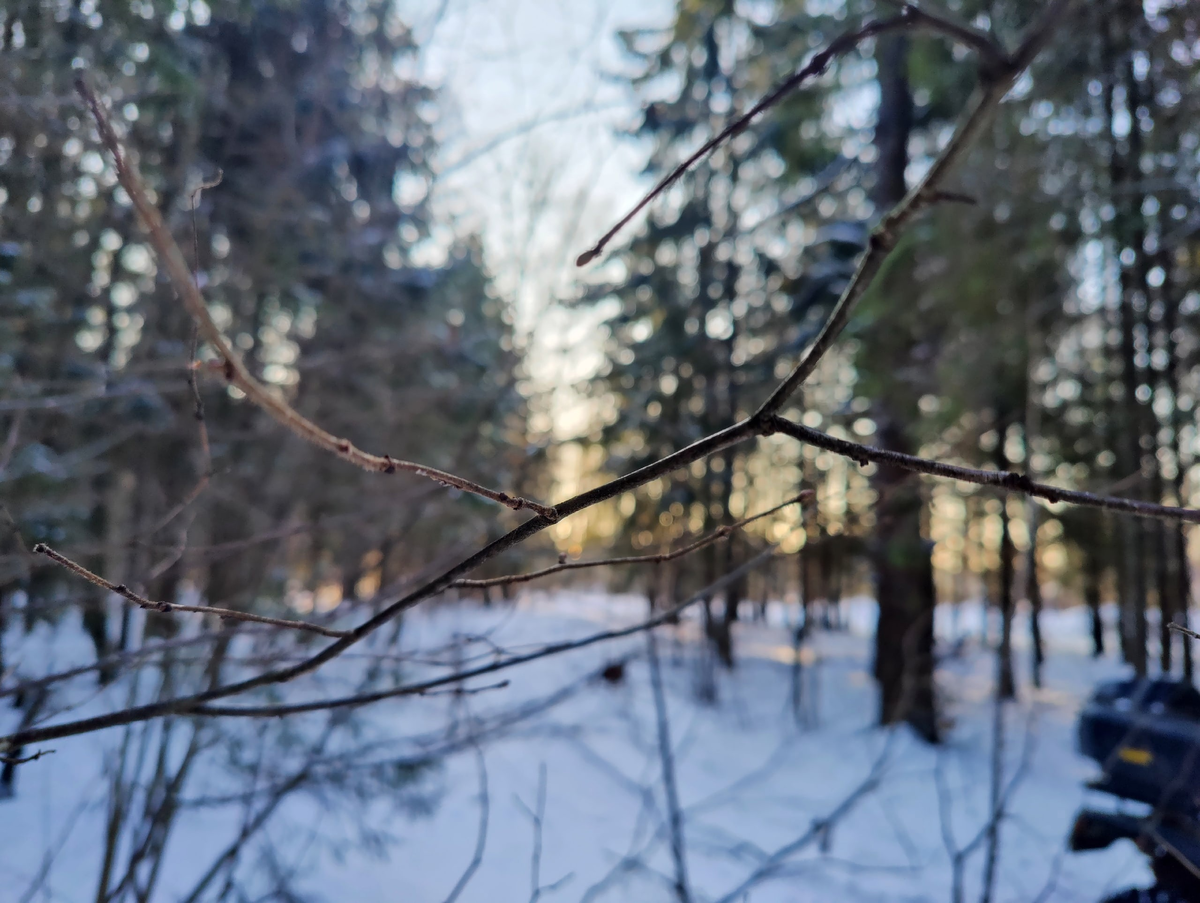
{"type": "Point", "coordinates": [531, 157]}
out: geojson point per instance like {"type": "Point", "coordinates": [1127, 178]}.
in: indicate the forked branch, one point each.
{"type": "Point", "coordinates": [660, 558]}
{"type": "Point", "coordinates": [910, 17]}
{"type": "Point", "coordinates": [227, 614]}
{"type": "Point", "coordinates": [998, 82]}
{"type": "Point", "coordinates": [235, 371]}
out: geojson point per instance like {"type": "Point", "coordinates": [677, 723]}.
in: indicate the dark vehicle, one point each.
{"type": "Point", "coordinates": [1145, 735]}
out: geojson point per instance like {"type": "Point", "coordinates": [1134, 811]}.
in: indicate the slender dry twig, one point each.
{"type": "Point", "coordinates": [991, 858]}
{"type": "Point", "coordinates": [707, 540]}
{"type": "Point", "coordinates": [537, 816]}
{"type": "Point", "coordinates": [195, 704]}
{"type": "Point", "coordinates": [228, 614]}
{"type": "Point", "coordinates": [236, 372]}
{"type": "Point", "coordinates": [118, 661]}
{"type": "Point", "coordinates": [1000, 799]}
{"type": "Point", "coordinates": [234, 615]}
{"type": "Point", "coordinates": [996, 83]}
{"type": "Point", "coordinates": [910, 17]}
{"type": "Point", "coordinates": [979, 41]}
{"type": "Point", "coordinates": [121, 660]}
{"type": "Point", "coordinates": [21, 760]}
{"type": "Point", "coordinates": [1007, 480]}
{"type": "Point", "coordinates": [817, 65]}
{"type": "Point", "coordinates": [667, 757]}
{"type": "Point", "coordinates": [818, 829]}
{"type": "Point", "coordinates": [202, 431]}
{"type": "Point", "coordinates": [1186, 631]}
{"type": "Point", "coordinates": [491, 668]}
{"type": "Point", "coordinates": [945, 811]}
{"type": "Point", "coordinates": [481, 837]}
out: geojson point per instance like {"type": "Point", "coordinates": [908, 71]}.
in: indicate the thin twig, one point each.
{"type": "Point", "coordinates": [1186, 631]}
{"type": "Point", "coordinates": [195, 704]}
{"type": "Point", "coordinates": [819, 828]}
{"type": "Point", "coordinates": [469, 691]}
{"type": "Point", "coordinates": [537, 816]}
{"type": "Point", "coordinates": [1007, 480]}
{"type": "Point", "coordinates": [979, 41]}
{"type": "Point", "coordinates": [491, 668]}
{"type": "Point", "coordinates": [21, 760]}
{"type": "Point", "coordinates": [707, 540]}
{"type": "Point", "coordinates": [235, 371]}
{"type": "Point", "coordinates": [999, 80]}
{"type": "Point", "coordinates": [169, 607]}
{"type": "Point", "coordinates": [817, 65]}
{"type": "Point", "coordinates": [667, 757]}
{"type": "Point", "coordinates": [910, 17]}
{"type": "Point", "coordinates": [481, 837]}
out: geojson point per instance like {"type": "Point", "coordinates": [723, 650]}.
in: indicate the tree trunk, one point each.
{"type": "Point", "coordinates": [904, 587]}
{"type": "Point", "coordinates": [1034, 594]}
{"type": "Point", "coordinates": [903, 567]}
{"type": "Point", "coordinates": [1179, 572]}
{"type": "Point", "coordinates": [1093, 572]}
{"type": "Point", "coordinates": [1006, 685]}
{"type": "Point", "coordinates": [1130, 236]}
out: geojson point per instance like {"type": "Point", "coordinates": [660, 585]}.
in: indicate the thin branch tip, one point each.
{"type": "Point", "coordinates": [1186, 631]}
{"type": "Point", "coordinates": [21, 760]}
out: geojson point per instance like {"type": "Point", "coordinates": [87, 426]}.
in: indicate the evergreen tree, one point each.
{"type": "Point", "coordinates": [316, 256]}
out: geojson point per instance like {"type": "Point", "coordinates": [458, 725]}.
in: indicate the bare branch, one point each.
{"type": "Point", "coordinates": [1186, 631]}
{"type": "Point", "coordinates": [481, 837]}
{"type": "Point", "coordinates": [910, 17]}
{"type": "Point", "coordinates": [979, 41]}
{"type": "Point", "coordinates": [667, 757]}
{"type": "Point", "coordinates": [817, 65]}
{"type": "Point", "coordinates": [999, 80]}
{"type": "Point", "coordinates": [1007, 480]}
{"type": "Point", "coordinates": [493, 667]}
{"type": "Point", "coordinates": [537, 816]}
{"type": "Point", "coordinates": [195, 704]}
{"type": "Point", "coordinates": [235, 371]}
{"type": "Point", "coordinates": [717, 534]}
{"type": "Point", "coordinates": [21, 760]}
{"type": "Point", "coordinates": [816, 830]}
{"type": "Point", "coordinates": [228, 614]}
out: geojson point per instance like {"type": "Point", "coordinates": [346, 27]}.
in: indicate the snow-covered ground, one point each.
{"type": "Point", "coordinates": [751, 780]}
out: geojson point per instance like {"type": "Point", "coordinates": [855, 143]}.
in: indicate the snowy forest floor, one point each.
{"type": "Point", "coordinates": [752, 777]}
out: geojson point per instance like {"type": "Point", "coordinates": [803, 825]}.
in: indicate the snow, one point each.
{"type": "Point", "coordinates": [750, 778]}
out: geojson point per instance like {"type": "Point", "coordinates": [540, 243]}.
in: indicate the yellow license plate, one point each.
{"type": "Point", "coordinates": [1135, 756]}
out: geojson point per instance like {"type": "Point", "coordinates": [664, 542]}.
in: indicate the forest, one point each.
{"type": "Point", "coordinates": [710, 450]}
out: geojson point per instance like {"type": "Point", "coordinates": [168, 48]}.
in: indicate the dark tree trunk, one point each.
{"type": "Point", "coordinates": [1130, 235]}
{"type": "Point", "coordinates": [904, 587]}
{"type": "Point", "coordinates": [833, 601]}
{"type": "Point", "coordinates": [903, 567]}
{"type": "Point", "coordinates": [1035, 606]}
{"type": "Point", "coordinates": [1165, 591]}
{"type": "Point", "coordinates": [1093, 574]}
{"type": "Point", "coordinates": [1006, 685]}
